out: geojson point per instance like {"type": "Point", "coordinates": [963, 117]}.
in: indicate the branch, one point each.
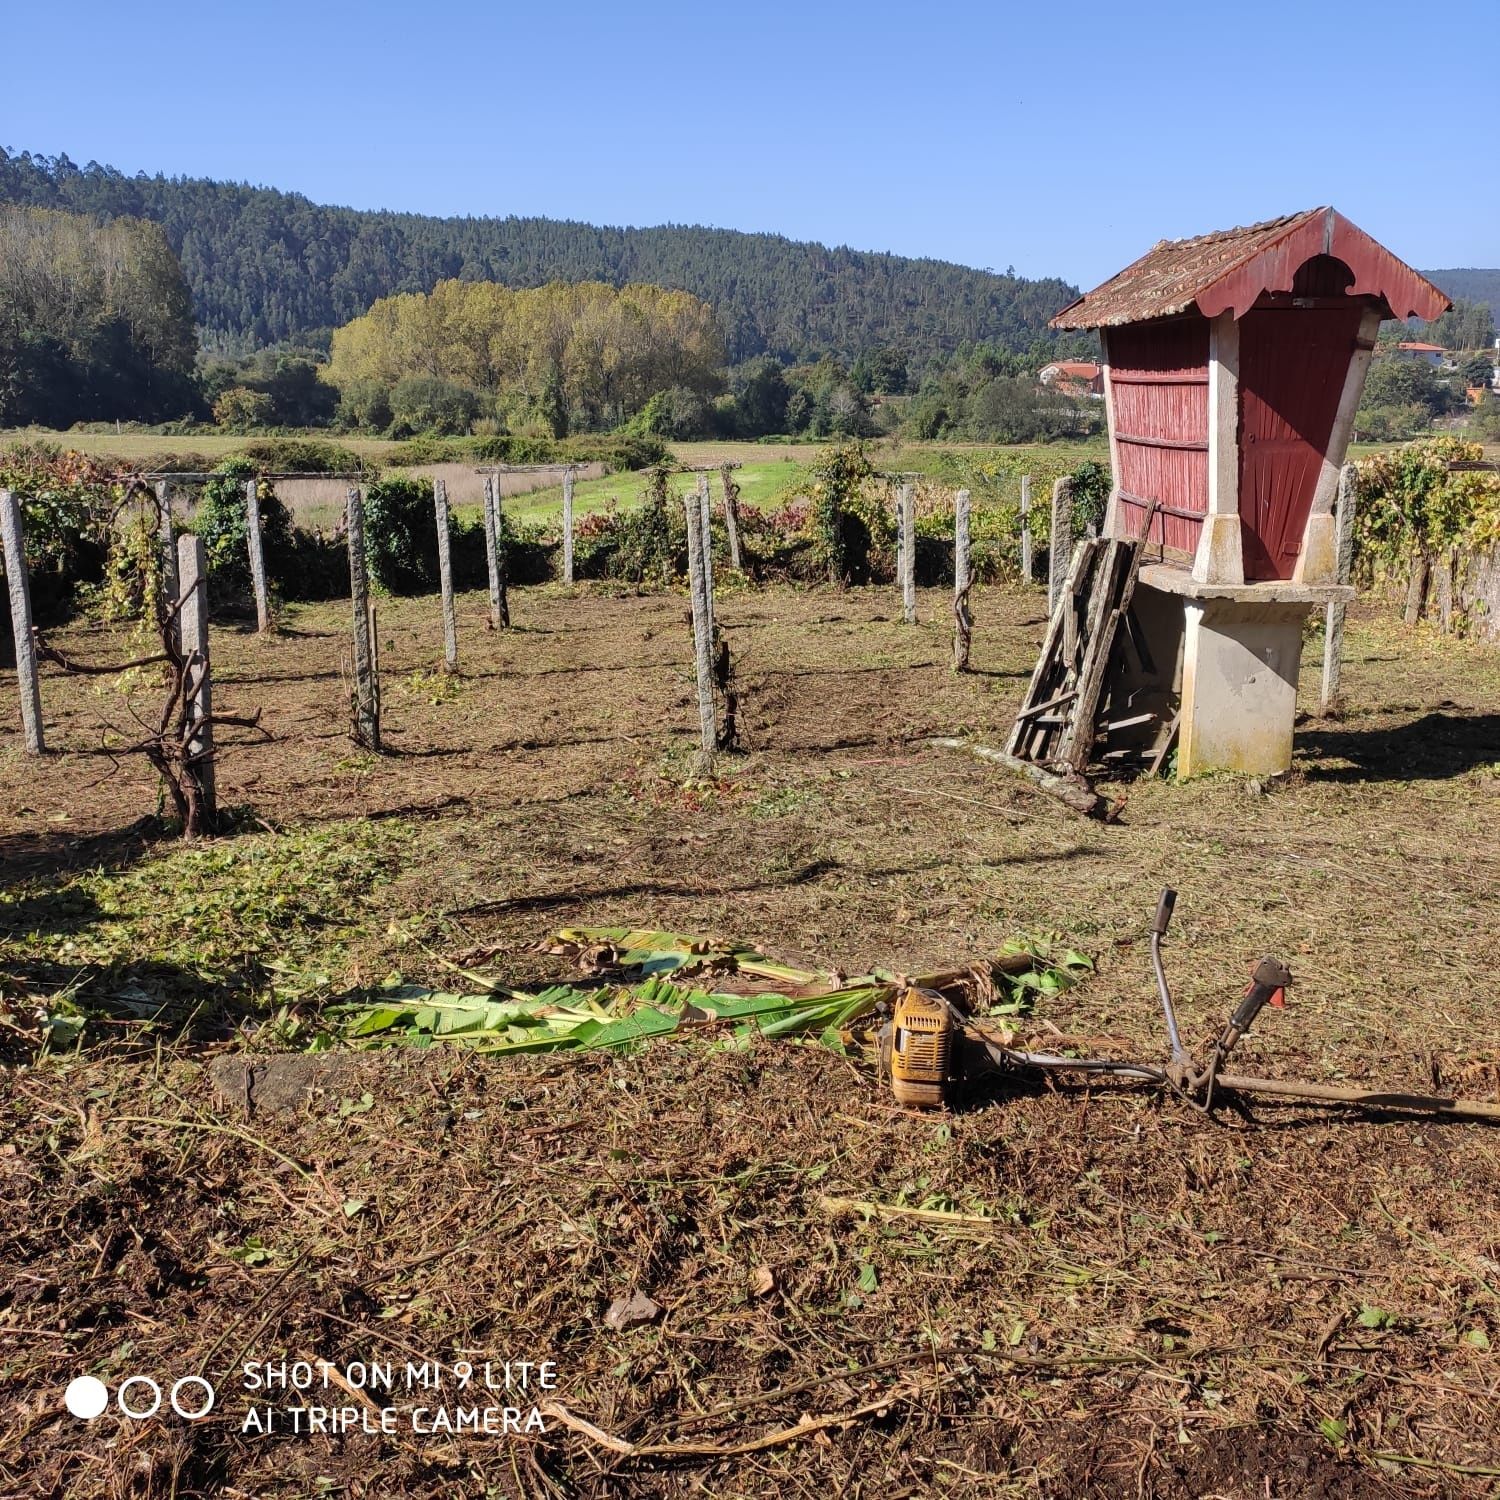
{"type": "Point", "coordinates": [93, 669]}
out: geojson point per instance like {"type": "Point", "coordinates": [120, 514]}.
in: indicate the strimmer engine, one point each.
{"type": "Point", "coordinates": [920, 1049]}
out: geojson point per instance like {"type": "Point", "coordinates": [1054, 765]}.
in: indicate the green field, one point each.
{"type": "Point", "coordinates": [769, 473]}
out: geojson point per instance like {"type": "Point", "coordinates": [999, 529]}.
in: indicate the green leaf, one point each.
{"type": "Point", "coordinates": [352, 1206]}
{"type": "Point", "coordinates": [1375, 1317]}
{"type": "Point", "coordinates": [1334, 1430]}
{"type": "Point", "coordinates": [868, 1280]}
{"type": "Point", "coordinates": [1478, 1338]}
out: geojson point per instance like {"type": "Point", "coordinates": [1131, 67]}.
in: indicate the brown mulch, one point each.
{"type": "Point", "coordinates": [1060, 1293]}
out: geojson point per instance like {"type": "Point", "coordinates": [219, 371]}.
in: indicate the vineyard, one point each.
{"type": "Point", "coordinates": [239, 1126]}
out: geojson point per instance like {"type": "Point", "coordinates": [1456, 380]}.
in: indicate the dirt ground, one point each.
{"type": "Point", "coordinates": [1047, 1292]}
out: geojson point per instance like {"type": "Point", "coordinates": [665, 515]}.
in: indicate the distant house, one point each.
{"type": "Point", "coordinates": [1073, 377]}
{"type": "Point", "coordinates": [1432, 353]}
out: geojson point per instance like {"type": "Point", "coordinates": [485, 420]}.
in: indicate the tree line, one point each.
{"type": "Point", "coordinates": [563, 357]}
{"type": "Point", "coordinates": [96, 320]}
{"type": "Point", "coordinates": [267, 267]}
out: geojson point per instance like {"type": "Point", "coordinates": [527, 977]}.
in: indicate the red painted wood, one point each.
{"type": "Point", "coordinates": [1159, 389]}
{"type": "Point", "coordinates": [1293, 361]}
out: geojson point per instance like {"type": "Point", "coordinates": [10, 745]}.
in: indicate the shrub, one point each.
{"type": "Point", "coordinates": [423, 403]}
{"type": "Point", "coordinates": [239, 409]}
{"type": "Point", "coordinates": [648, 548]}
{"type": "Point", "coordinates": [617, 451]}
{"type": "Point", "coordinates": [1091, 486]}
{"type": "Point", "coordinates": [841, 534]}
{"type": "Point", "coordinates": [67, 502]}
{"type": "Point", "coordinates": [401, 535]}
{"type": "Point", "coordinates": [364, 404]}
{"type": "Point", "coordinates": [1413, 502]}
{"type": "Point", "coordinates": [172, 461]}
{"type": "Point", "coordinates": [302, 456]}
{"type": "Point", "coordinates": [220, 522]}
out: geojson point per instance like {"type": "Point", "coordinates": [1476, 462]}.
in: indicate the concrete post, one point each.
{"type": "Point", "coordinates": [192, 624]}
{"type": "Point", "coordinates": [366, 685]}
{"type": "Point", "coordinates": [445, 576]}
{"type": "Point", "coordinates": [1333, 632]}
{"type": "Point", "coordinates": [705, 516]}
{"type": "Point", "coordinates": [907, 554]}
{"type": "Point", "coordinates": [494, 554]}
{"type": "Point", "coordinates": [963, 620]}
{"type": "Point", "coordinates": [1060, 545]}
{"type": "Point", "coordinates": [568, 525]}
{"type": "Point", "coordinates": [257, 556]}
{"type": "Point", "coordinates": [168, 542]}
{"type": "Point", "coordinates": [699, 589]}
{"type": "Point", "coordinates": [19, 582]}
{"type": "Point", "coordinates": [732, 518]}
{"type": "Point", "coordinates": [1028, 571]}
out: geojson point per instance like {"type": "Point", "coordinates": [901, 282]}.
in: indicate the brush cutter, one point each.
{"type": "Point", "coordinates": [932, 1046]}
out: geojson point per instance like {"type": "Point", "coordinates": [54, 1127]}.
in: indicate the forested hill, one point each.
{"type": "Point", "coordinates": [266, 266]}
{"type": "Point", "coordinates": [1471, 283]}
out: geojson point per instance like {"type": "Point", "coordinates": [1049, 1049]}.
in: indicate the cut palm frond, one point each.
{"type": "Point", "coordinates": [661, 1002]}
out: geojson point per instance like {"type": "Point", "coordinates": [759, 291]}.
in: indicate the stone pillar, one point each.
{"type": "Point", "coordinates": [1239, 686]}
{"type": "Point", "coordinates": [192, 625]}
{"type": "Point", "coordinates": [1220, 555]}
{"type": "Point", "coordinates": [19, 583]}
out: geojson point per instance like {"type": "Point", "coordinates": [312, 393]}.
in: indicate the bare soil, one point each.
{"type": "Point", "coordinates": [1060, 1292]}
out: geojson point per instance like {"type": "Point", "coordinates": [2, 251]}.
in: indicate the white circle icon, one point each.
{"type": "Point", "coordinates": [86, 1397]}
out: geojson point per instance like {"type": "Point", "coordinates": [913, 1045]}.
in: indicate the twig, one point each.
{"type": "Point", "coordinates": [241, 1135]}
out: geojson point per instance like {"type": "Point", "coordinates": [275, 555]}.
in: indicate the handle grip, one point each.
{"type": "Point", "coordinates": [1266, 984]}
{"type": "Point", "coordinates": [1163, 917]}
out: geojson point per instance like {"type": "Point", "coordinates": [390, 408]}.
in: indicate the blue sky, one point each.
{"type": "Point", "coordinates": [1060, 139]}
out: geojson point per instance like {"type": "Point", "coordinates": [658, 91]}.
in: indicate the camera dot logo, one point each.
{"type": "Point", "coordinates": [86, 1397]}
{"type": "Point", "coordinates": [139, 1397]}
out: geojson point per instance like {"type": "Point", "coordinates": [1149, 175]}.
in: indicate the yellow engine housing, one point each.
{"type": "Point", "coordinates": [921, 1056]}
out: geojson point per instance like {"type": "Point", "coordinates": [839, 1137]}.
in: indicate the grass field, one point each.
{"type": "Point", "coordinates": [1059, 1293]}
{"type": "Point", "coordinates": [768, 473]}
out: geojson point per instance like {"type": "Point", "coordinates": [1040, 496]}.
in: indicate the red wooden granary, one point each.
{"type": "Point", "coordinates": [1233, 365]}
{"type": "Point", "coordinates": [1299, 298]}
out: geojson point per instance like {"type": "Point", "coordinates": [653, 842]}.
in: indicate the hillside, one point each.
{"type": "Point", "coordinates": [266, 266]}
{"type": "Point", "coordinates": [1471, 284]}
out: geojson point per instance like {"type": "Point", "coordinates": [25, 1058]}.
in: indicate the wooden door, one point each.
{"type": "Point", "coordinates": [1293, 361]}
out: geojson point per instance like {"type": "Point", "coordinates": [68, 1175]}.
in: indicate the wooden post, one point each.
{"type": "Point", "coordinates": [168, 542]}
{"type": "Point", "coordinates": [1333, 628]}
{"type": "Point", "coordinates": [1060, 544]}
{"type": "Point", "coordinates": [257, 556]}
{"type": "Point", "coordinates": [445, 576]}
{"type": "Point", "coordinates": [366, 683]}
{"type": "Point", "coordinates": [732, 518]}
{"type": "Point", "coordinates": [568, 525]}
{"type": "Point", "coordinates": [14, 538]}
{"type": "Point", "coordinates": [963, 619]}
{"type": "Point", "coordinates": [705, 516]}
{"type": "Point", "coordinates": [907, 554]}
{"type": "Point", "coordinates": [192, 625]}
{"type": "Point", "coordinates": [1028, 572]}
{"type": "Point", "coordinates": [494, 554]}
{"type": "Point", "coordinates": [700, 590]}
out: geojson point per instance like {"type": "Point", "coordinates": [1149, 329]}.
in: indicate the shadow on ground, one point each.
{"type": "Point", "coordinates": [1432, 748]}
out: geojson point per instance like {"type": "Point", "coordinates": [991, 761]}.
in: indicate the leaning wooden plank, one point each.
{"type": "Point", "coordinates": [1164, 743]}
{"type": "Point", "coordinates": [1079, 744]}
{"type": "Point", "coordinates": [1090, 672]}
{"type": "Point", "coordinates": [1053, 702]}
{"type": "Point", "coordinates": [1038, 689]}
{"type": "Point", "coordinates": [1073, 791]}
